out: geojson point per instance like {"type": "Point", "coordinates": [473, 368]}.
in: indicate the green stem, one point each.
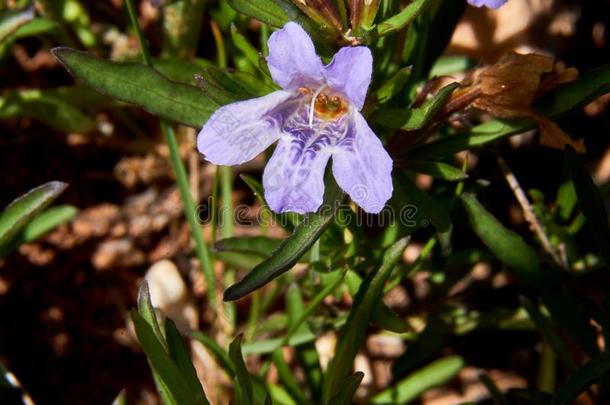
{"type": "Point", "coordinates": [226, 179]}
{"type": "Point", "coordinates": [190, 210]}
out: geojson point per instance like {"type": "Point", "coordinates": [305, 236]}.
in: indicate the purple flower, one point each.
{"type": "Point", "coordinates": [487, 3]}
{"type": "Point", "coordinates": [314, 117]}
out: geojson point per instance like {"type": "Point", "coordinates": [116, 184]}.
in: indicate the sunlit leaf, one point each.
{"type": "Point", "coordinates": [141, 85]}
{"type": "Point", "coordinates": [293, 247]}
{"type": "Point", "coordinates": [25, 208]}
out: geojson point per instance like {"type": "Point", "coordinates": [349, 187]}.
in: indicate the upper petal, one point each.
{"type": "Point", "coordinates": [292, 59]}
{"type": "Point", "coordinates": [237, 132]}
{"type": "Point", "coordinates": [488, 3]}
{"type": "Point", "coordinates": [362, 167]}
{"type": "Point", "coordinates": [294, 177]}
{"type": "Point", "coordinates": [350, 72]}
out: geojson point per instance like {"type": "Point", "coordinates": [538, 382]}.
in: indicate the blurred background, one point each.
{"type": "Point", "coordinates": [64, 298]}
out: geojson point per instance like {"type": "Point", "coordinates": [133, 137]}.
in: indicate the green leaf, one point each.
{"type": "Point", "coordinates": [353, 333]}
{"type": "Point", "coordinates": [242, 43]}
{"type": "Point", "coordinates": [307, 354]}
{"type": "Point", "coordinates": [416, 118]}
{"type": "Point", "coordinates": [47, 108]}
{"type": "Point", "coordinates": [348, 389]}
{"type": "Point", "coordinates": [383, 316]}
{"type": "Point", "coordinates": [393, 86]}
{"type": "Point", "coordinates": [287, 378]}
{"type": "Point", "coordinates": [411, 387]}
{"type": "Point", "coordinates": [261, 246]}
{"type": "Point", "coordinates": [293, 247]}
{"type": "Point", "coordinates": [181, 357]}
{"type": "Point", "coordinates": [266, 11]}
{"type": "Point", "coordinates": [182, 27]}
{"type": "Point", "coordinates": [582, 379]}
{"type": "Point", "coordinates": [438, 170]}
{"type": "Point", "coordinates": [25, 208]}
{"type": "Point", "coordinates": [121, 399]}
{"type": "Point", "coordinates": [591, 202]}
{"type": "Point", "coordinates": [165, 369]}
{"type": "Point", "coordinates": [140, 85]}
{"type": "Point", "coordinates": [243, 383]}
{"type": "Point", "coordinates": [221, 356]}
{"type": "Point", "coordinates": [566, 308]}
{"type": "Point", "coordinates": [402, 19]}
{"type": "Point", "coordinates": [10, 21]}
{"type": "Point", "coordinates": [40, 226]}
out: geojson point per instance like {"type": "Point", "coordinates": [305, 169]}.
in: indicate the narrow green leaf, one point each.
{"type": "Point", "coordinates": [47, 108]}
{"type": "Point", "coordinates": [438, 170]}
{"type": "Point", "coordinates": [591, 202]}
{"type": "Point", "coordinates": [411, 387]}
{"type": "Point", "coordinates": [416, 118]}
{"type": "Point", "coordinates": [160, 361]}
{"type": "Point", "coordinates": [402, 19]}
{"type": "Point", "coordinates": [23, 209]}
{"type": "Point", "coordinates": [266, 11]}
{"type": "Point", "coordinates": [287, 378]}
{"type": "Point", "coordinates": [495, 393]}
{"type": "Point", "coordinates": [261, 246]}
{"type": "Point", "coordinates": [348, 388]}
{"type": "Point", "coordinates": [427, 346]}
{"type": "Point", "coordinates": [40, 226]}
{"type": "Point", "coordinates": [383, 316]}
{"type": "Point", "coordinates": [243, 383]}
{"type": "Point", "coordinates": [307, 354]}
{"type": "Point", "coordinates": [242, 43]}
{"type": "Point", "coordinates": [181, 357]}
{"type": "Point", "coordinates": [140, 85]}
{"type": "Point", "coordinates": [568, 309]}
{"type": "Point", "coordinates": [353, 333]}
{"type": "Point", "coordinates": [293, 247]}
{"type": "Point", "coordinates": [582, 379]}
{"type": "Point", "coordinates": [393, 86]}
{"type": "Point", "coordinates": [147, 311]}
{"type": "Point", "coordinates": [221, 356]}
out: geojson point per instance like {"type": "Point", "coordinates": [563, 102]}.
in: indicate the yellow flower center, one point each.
{"type": "Point", "coordinates": [326, 105]}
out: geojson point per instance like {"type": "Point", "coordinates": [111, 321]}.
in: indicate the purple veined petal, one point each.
{"type": "Point", "coordinates": [487, 3]}
{"type": "Point", "coordinates": [294, 177]}
{"type": "Point", "coordinates": [362, 167]}
{"type": "Point", "coordinates": [350, 73]}
{"type": "Point", "coordinates": [239, 131]}
{"type": "Point", "coordinates": [292, 59]}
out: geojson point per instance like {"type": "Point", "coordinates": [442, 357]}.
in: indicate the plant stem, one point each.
{"type": "Point", "coordinates": [190, 211]}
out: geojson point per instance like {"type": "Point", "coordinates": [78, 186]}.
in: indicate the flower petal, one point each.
{"type": "Point", "coordinates": [350, 72]}
{"type": "Point", "coordinates": [294, 177]}
{"type": "Point", "coordinates": [487, 3]}
{"type": "Point", "coordinates": [292, 59]}
{"type": "Point", "coordinates": [238, 132]}
{"type": "Point", "coordinates": [362, 167]}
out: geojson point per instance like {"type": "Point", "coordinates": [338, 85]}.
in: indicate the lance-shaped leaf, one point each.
{"type": "Point", "coordinates": [348, 389]}
{"type": "Point", "coordinates": [393, 86]}
{"type": "Point", "coordinates": [256, 245]}
{"type": "Point", "coordinates": [293, 247]}
{"type": "Point", "coordinates": [402, 19]}
{"type": "Point", "coordinates": [24, 208]}
{"type": "Point", "coordinates": [416, 118]}
{"type": "Point", "coordinates": [354, 331]}
{"type": "Point", "coordinates": [438, 170]}
{"type": "Point", "coordinates": [243, 380]}
{"type": "Point", "coordinates": [432, 375]}
{"type": "Point", "coordinates": [567, 309]}
{"type": "Point", "coordinates": [140, 85]}
{"type": "Point", "coordinates": [591, 202]}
